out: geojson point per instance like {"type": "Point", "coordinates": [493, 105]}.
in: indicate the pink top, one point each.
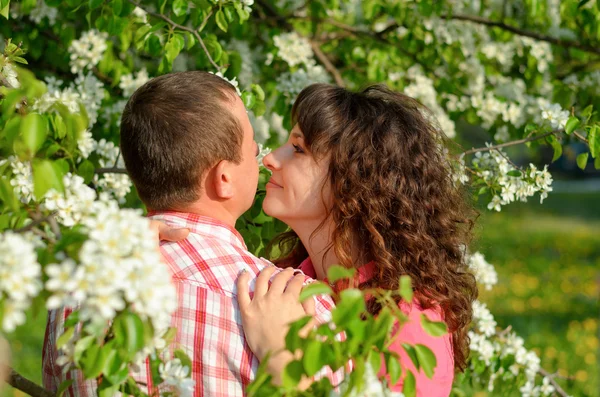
{"type": "Point", "coordinates": [412, 332]}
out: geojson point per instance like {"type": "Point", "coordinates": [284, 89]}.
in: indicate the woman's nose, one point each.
{"type": "Point", "coordinates": [270, 161]}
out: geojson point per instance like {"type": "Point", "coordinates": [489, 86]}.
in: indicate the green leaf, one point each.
{"type": "Point", "coordinates": [597, 163]}
{"type": "Point", "coordinates": [46, 175]}
{"type": "Point", "coordinates": [556, 146]}
{"type": "Point", "coordinates": [221, 21]}
{"type": "Point", "coordinates": [180, 7]}
{"type": "Point", "coordinates": [184, 358]}
{"type": "Point", "coordinates": [65, 337]}
{"type": "Point", "coordinates": [33, 129]}
{"type": "Point", "coordinates": [258, 91]}
{"type": "Point", "coordinates": [249, 99]}
{"type": "Point", "coordinates": [375, 360]}
{"type": "Point", "coordinates": [315, 288]}
{"type": "Point", "coordinates": [594, 141]}
{"type": "Point", "coordinates": [412, 354]}
{"type": "Point", "coordinates": [7, 195]}
{"type": "Point", "coordinates": [293, 341]}
{"type": "Point", "coordinates": [63, 387]}
{"type": "Point", "coordinates": [117, 6]}
{"type": "Point", "coordinates": [86, 170]}
{"type": "Point", "coordinates": [337, 272]}
{"type": "Point", "coordinates": [174, 47]}
{"type": "Point", "coordinates": [426, 358]}
{"type": "Point", "coordinates": [292, 373]}
{"type": "Point", "coordinates": [515, 173]}
{"type": "Point", "coordinates": [582, 160]}
{"type": "Point", "coordinates": [433, 328]}
{"type": "Point", "coordinates": [406, 291]}
{"type": "Point", "coordinates": [393, 368]}
{"type": "Point", "coordinates": [81, 346]}
{"type": "Point", "coordinates": [587, 112]}
{"type": "Point", "coordinates": [571, 125]}
{"type": "Point", "coordinates": [410, 385]}
{"type": "Point", "coordinates": [259, 108]}
{"type": "Point", "coordinates": [129, 332]}
{"type": "Point", "coordinates": [313, 359]}
{"type": "Point", "coordinates": [5, 10]}
{"type": "Point", "coordinates": [93, 4]}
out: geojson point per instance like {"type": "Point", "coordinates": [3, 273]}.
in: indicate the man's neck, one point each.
{"type": "Point", "coordinates": [210, 209]}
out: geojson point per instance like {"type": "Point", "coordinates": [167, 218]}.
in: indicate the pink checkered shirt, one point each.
{"type": "Point", "coordinates": [204, 269]}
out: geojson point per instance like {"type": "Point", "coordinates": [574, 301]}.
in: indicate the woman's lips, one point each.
{"type": "Point", "coordinates": [272, 184]}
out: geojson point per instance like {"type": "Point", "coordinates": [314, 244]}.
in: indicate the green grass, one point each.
{"type": "Point", "coordinates": [548, 260]}
{"type": "Point", "coordinates": [548, 265]}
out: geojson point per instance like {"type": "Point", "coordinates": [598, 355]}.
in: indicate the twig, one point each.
{"type": "Point", "coordinates": [327, 63]}
{"type": "Point", "coordinates": [33, 224]}
{"type": "Point", "coordinates": [580, 137]}
{"type": "Point", "coordinates": [205, 20]}
{"type": "Point", "coordinates": [25, 385]}
{"type": "Point", "coordinates": [111, 170]}
{"type": "Point", "coordinates": [180, 27]}
{"type": "Point", "coordinates": [512, 143]}
{"type": "Point", "coordinates": [522, 32]}
{"type": "Point", "coordinates": [553, 382]}
{"type": "Point", "coordinates": [54, 226]}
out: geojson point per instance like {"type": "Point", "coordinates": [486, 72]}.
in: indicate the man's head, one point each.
{"type": "Point", "coordinates": [185, 138]}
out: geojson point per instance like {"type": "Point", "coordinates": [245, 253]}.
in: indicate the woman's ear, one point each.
{"type": "Point", "coordinates": [222, 180]}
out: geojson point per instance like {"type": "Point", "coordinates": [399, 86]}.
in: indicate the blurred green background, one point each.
{"type": "Point", "coordinates": [548, 261]}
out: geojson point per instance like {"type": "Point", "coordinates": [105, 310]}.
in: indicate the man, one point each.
{"type": "Point", "coordinates": [189, 148]}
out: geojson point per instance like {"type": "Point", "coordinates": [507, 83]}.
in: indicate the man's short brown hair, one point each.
{"type": "Point", "coordinates": [173, 129]}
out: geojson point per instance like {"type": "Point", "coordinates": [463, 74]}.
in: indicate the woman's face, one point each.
{"type": "Point", "coordinates": [296, 190]}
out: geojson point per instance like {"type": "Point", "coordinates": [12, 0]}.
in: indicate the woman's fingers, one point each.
{"type": "Point", "coordinates": [262, 281]}
{"type": "Point", "coordinates": [243, 291]}
{"type": "Point", "coordinates": [294, 287]}
{"type": "Point", "coordinates": [166, 232]}
{"type": "Point", "coordinates": [280, 281]}
{"type": "Point", "coordinates": [309, 306]}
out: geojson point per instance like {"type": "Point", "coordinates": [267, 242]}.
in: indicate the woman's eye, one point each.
{"type": "Point", "coordinates": [297, 149]}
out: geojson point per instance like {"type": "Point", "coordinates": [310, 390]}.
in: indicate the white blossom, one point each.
{"type": "Point", "coordinates": [262, 152]}
{"type": "Point", "coordinates": [41, 11]}
{"type": "Point", "coordinates": [86, 143]}
{"type": "Point", "coordinates": [22, 181]}
{"type": "Point", "coordinates": [118, 185]}
{"type": "Point", "coordinates": [91, 94]}
{"type": "Point", "coordinates": [19, 278]}
{"type": "Point", "coordinates": [10, 75]}
{"type": "Point", "coordinates": [484, 272]}
{"type": "Point", "coordinates": [141, 14]}
{"type": "Point", "coordinates": [293, 48]}
{"type": "Point", "coordinates": [233, 82]}
{"type": "Point", "coordinates": [87, 51]}
{"type": "Point", "coordinates": [72, 206]}
{"type": "Point", "coordinates": [290, 84]}
{"type": "Point", "coordinates": [129, 84]}
{"type": "Point", "coordinates": [484, 319]}
{"type": "Point", "coordinates": [546, 389]}
{"type": "Point", "coordinates": [175, 374]}
{"type": "Point", "coordinates": [555, 115]}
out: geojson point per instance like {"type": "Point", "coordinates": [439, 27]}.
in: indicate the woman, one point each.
{"type": "Point", "coordinates": [364, 181]}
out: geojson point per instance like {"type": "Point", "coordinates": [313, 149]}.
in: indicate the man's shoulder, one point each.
{"type": "Point", "coordinates": [209, 262]}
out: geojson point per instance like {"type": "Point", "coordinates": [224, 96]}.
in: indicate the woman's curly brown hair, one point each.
{"type": "Point", "coordinates": [393, 193]}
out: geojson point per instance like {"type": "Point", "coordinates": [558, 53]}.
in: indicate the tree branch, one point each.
{"type": "Point", "coordinates": [327, 63]}
{"type": "Point", "coordinates": [522, 32]}
{"type": "Point", "coordinates": [25, 385]}
{"type": "Point", "coordinates": [180, 27]}
{"type": "Point", "coordinates": [111, 170]}
{"type": "Point", "coordinates": [512, 143]}
{"type": "Point", "coordinates": [33, 224]}
{"type": "Point", "coordinates": [321, 56]}
{"type": "Point", "coordinates": [553, 382]}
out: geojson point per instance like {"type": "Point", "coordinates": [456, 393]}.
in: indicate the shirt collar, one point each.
{"type": "Point", "coordinates": [199, 224]}
{"type": "Point", "coordinates": [364, 273]}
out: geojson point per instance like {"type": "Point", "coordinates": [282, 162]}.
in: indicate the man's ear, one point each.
{"type": "Point", "coordinates": [222, 179]}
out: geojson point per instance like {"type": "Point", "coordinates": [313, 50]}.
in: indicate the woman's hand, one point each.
{"type": "Point", "coordinates": [266, 316]}
{"type": "Point", "coordinates": [165, 232]}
